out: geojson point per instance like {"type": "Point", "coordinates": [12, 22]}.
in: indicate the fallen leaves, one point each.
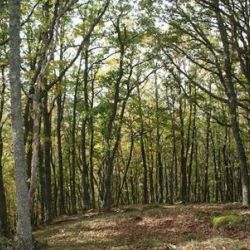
{"type": "Point", "coordinates": [154, 227]}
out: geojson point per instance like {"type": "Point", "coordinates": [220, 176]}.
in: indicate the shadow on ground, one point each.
{"type": "Point", "coordinates": [151, 227]}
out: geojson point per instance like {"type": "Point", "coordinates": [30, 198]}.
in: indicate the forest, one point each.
{"type": "Point", "coordinates": [122, 120]}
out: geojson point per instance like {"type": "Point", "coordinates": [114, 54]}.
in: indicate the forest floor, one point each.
{"type": "Point", "coordinates": [202, 226]}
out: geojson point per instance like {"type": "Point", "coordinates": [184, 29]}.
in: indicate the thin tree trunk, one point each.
{"type": "Point", "coordinates": [216, 174]}
{"type": "Point", "coordinates": [85, 172]}
{"type": "Point", "coordinates": [4, 226]}
{"type": "Point", "coordinates": [207, 154]}
{"type": "Point", "coordinates": [85, 185]}
{"type": "Point", "coordinates": [190, 165]}
{"type": "Point", "coordinates": [143, 152]}
{"type": "Point", "coordinates": [47, 160]}
{"type": "Point", "coordinates": [60, 108]}
{"type": "Point", "coordinates": [183, 157]}
{"type": "Point", "coordinates": [91, 146]}
{"type": "Point", "coordinates": [73, 153]}
{"type": "Point", "coordinates": [42, 184]}
{"type": "Point", "coordinates": [158, 147]}
{"type": "Point", "coordinates": [59, 155]}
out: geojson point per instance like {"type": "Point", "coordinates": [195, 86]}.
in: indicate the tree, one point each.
{"type": "Point", "coordinates": [23, 208]}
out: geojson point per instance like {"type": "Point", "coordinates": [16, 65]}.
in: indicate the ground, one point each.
{"type": "Point", "coordinates": [203, 226]}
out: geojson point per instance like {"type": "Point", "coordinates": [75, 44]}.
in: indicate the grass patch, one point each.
{"type": "Point", "coordinates": [230, 219]}
{"type": "Point", "coordinates": [130, 209]}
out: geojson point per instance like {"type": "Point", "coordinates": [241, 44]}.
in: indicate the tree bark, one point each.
{"type": "Point", "coordinates": [143, 152]}
{"type": "Point", "coordinates": [47, 160]}
{"type": "Point", "coordinates": [158, 145]}
{"type": "Point", "coordinates": [85, 172]}
{"type": "Point", "coordinates": [4, 226]}
{"type": "Point", "coordinates": [183, 156]}
{"type": "Point", "coordinates": [60, 155]}
{"type": "Point", "coordinates": [24, 230]}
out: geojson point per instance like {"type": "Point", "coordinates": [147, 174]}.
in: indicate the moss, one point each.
{"type": "Point", "coordinates": [5, 243]}
{"type": "Point", "coordinates": [230, 219]}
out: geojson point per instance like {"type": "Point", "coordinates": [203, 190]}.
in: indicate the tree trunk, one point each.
{"type": "Point", "coordinates": [190, 165]}
{"type": "Point", "coordinates": [85, 172]}
{"type": "Point", "coordinates": [60, 109]}
{"type": "Point", "coordinates": [91, 145]}
{"type": "Point", "coordinates": [36, 109]}
{"type": "Point", "coordinates": [206, 181]}
{"type": "Point", "coordinates": [73, 137]}
{"type": "Point", "coordinates": [47, 160]}
{"type": "Point", "coordinates": [143, 152]}
{"type": "Point", "coordinates": [59, 155]}
{"type": "Point", "coordinates": [23, 209]}
{"type": "Point", "coordinates": [158, 147]}
{"type": "Point", "coordinates": [126, 169]}
{"type": "Point", "coordinates": [4, 227]}
{"type": "Point", "coordinates": [85, 184]}
{"type": "Point", "coordinates": [183, 157]}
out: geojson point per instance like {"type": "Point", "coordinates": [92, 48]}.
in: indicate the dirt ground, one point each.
{"type": "Point", "coordinates": [151, 227]}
